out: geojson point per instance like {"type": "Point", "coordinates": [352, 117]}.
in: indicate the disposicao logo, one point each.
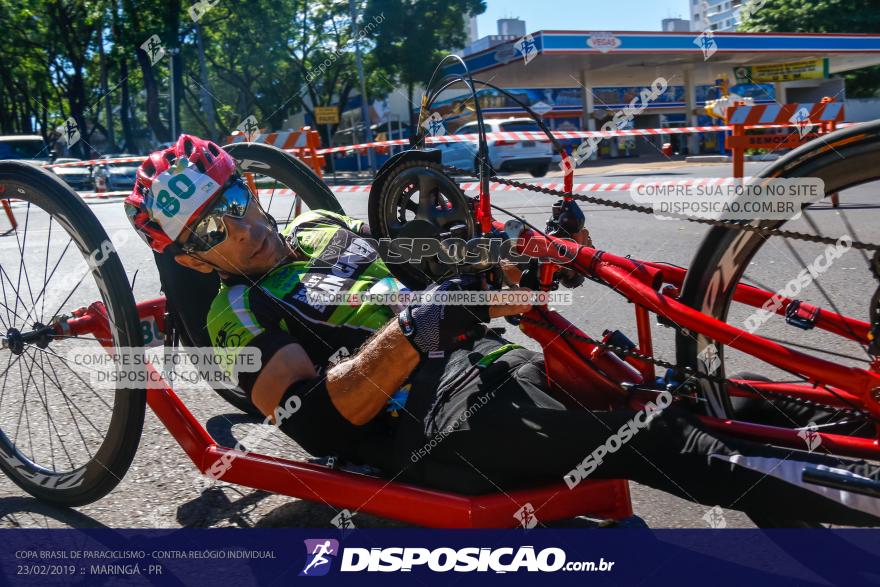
{"type": "Point", "coordinates": [320, 552]}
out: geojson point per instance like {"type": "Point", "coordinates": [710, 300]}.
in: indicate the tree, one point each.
{"type": "Point", "coordinates": [823, 16]}
{"type": "Point", "coordinates": [416, 34]}
{"type": "Point", "coordinates": [320, 45]}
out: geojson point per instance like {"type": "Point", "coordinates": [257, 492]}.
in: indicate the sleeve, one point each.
{"type": "Point", "coordinates": [244, 334]}
{"type": "Point", "coordinates": [352, 224]}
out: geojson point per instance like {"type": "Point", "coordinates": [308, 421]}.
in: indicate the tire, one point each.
{"type": "Point", "coordinates": [725, 253]}
{"type": "Point", "coordinates": [539, 171]}
{"type": "Point", "coordinates": [843, 159]}
{"type": "Point", "coordinates": [296, 175]}
{"type": "Point", "coordinates": [42, 190]}
{"type": "Point", "coordinates": [390, 212]}
{"type": "Point", "coordinates": [288, 170]}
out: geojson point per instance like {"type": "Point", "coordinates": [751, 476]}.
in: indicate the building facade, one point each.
{"type": "Point", "coordinates": [715, 15]}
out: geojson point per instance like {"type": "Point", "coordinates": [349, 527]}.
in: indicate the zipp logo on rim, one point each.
{"type": "Point", "coordinates": [64, 481]}
{"type": "Point", "coordinates": [246, 164]}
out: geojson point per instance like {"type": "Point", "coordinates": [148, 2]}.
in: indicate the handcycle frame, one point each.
{"type": "Point", "coordinates": [580, 371]}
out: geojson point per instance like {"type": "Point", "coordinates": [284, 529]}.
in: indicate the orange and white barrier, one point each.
{"type": "Point", "coordinates": [304, 143]}
{"type": "Point", "coordinates": [292, 139]}
{"type": "Point", "coordinates": [823, 116]}
{"type": "Point", "coordinates": [782, 114]}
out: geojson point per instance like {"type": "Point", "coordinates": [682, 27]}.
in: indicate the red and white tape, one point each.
{"type": "Point", "coordinates": [97, 162]}
{"type": "Point", "coordinates": [559, 134]}
{"type": "Point", "coordinates": [474, 187]}
{"type": "Point", "coordinates": [497, 136]}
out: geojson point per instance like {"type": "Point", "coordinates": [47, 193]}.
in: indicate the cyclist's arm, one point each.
{"type": "Point", "coordinates": [358, 387]}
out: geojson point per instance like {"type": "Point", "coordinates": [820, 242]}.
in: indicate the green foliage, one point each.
{"type": "Point", "coordinates": [264, 58]}
{"type": "Point", "coordinates": [824, 16]}
{"type": "Point", "coordinates": [416, 34]}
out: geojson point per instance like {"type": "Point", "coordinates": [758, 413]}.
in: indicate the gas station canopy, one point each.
{"type": "Point", "coordinates": [579, 78]}
{"type": "Point", "coordinates": [595, 58]}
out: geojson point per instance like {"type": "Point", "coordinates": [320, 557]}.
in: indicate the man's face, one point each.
{"type": "Point", "coordinates": [252, 246]}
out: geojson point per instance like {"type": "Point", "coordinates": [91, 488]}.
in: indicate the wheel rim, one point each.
{"type": "Point", "coordinates": [55, 410]}
{"type": "Point", "coordinates": [768, 264]}
{"type": "Point", "coordinates": [420, 201]}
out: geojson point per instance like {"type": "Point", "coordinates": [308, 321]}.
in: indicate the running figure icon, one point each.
{"type": "Point", "coordinates": [319, 553]}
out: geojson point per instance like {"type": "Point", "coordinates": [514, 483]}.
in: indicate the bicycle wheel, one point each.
{"type": "Point", "coordinates": [841, 283]}
{"type": "Point", "coordinates": [420, 201]}
{"type": "Point", "coordinates": [280, 175]}
{"type": "Point", "coordinates": [68, 429]}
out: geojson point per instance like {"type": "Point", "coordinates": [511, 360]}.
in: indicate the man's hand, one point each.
{"type": "Point", "coordinates": [440, 326]}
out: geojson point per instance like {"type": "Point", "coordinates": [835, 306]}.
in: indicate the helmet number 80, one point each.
{"type": "Point", "coordinates": [182, 187]}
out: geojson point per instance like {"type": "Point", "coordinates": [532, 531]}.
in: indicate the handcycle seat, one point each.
{"type": "Point", "coordinates": [188, 297]}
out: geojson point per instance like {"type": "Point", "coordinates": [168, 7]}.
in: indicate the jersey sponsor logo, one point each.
{"type": "Point", "coordinates": [336, 270]}
{"type": "Point", "coordinates": [227, 336]}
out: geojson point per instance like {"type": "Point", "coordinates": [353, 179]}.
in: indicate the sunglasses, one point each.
{"type": "Point", "coordinates": [211, 230]}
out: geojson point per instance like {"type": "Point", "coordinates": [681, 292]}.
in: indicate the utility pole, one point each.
{"type": "Point", "coordinates": [174, 51]}
{"type": "Point", "coordinates": [207, 104]}
{"type": "Point", "coordinates": [365, 107]}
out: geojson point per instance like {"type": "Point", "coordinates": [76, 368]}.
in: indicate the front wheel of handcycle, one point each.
{"type": "Point", "coordinates": [70, 418]}
{"type": "Point", "coordinates": [834, 277]}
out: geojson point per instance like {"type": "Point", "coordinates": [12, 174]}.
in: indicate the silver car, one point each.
{"type": "Point", "coordinates": [79, 177]}
{"type": "Point", "coordinates": [119, 176]}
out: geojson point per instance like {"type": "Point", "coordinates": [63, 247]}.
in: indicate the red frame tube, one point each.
{"type": "Point", "coordinates": [607, 499]}
{"type": "Point", "coordinates": [639, 281]}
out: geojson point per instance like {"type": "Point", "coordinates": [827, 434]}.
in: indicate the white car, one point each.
{"type": "Point", "coordinates": [534, 156]}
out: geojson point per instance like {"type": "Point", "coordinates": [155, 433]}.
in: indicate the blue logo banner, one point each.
{"type": "Point", "coordinates": [600, 556]}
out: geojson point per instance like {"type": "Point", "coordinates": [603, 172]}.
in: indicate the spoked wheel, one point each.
{"type": "Point", "coordinates": [419, 201]}
{"type": "Point", "coordinates": [835, 278]}
{"type": "Point", "coordinates": [70, 420]}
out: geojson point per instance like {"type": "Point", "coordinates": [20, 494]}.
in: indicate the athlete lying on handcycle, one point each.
{"type": "Point", "coordinates": [427, 394]}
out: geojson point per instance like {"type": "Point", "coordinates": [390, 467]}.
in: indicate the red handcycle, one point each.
{"type": "Point", "coordinates": [68, 443]}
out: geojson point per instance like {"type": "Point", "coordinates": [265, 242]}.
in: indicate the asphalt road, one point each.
{"type": "Point", "coordinates": [159, 490]}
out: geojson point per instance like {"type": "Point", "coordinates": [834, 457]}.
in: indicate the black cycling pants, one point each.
{"type": "Point", "coordinates": [510, 433]}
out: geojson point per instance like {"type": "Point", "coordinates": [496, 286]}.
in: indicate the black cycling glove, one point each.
{"type": "Point", "coordinates": [440, 325]}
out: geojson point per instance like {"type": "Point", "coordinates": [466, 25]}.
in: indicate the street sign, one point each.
{"type": "Point", "coordinates": [326, 115]}
{"type": "Point", "coordinates": [783, 72]}
{"type": "Point", "coordinates": [770, 141]}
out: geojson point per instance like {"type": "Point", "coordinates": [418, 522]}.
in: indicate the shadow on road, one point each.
{"type": "Point", "coordinates": [28, 512]}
